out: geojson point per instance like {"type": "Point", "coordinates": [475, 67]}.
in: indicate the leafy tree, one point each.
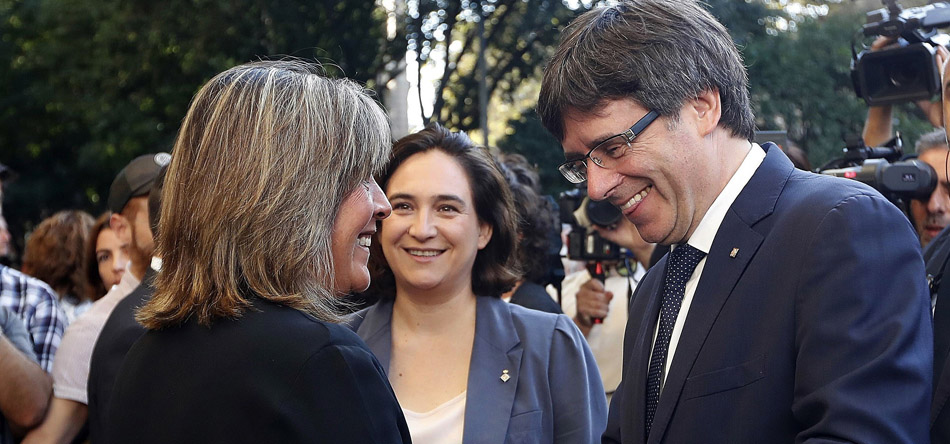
{"type": "Point", "coordinates": [520, 34]}
{"type": "Point", "coordinates": [89, 84]}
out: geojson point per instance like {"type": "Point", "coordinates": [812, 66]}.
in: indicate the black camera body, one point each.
{"type": "Point", "coordinates": [882, 168]}
{"type": "Point", "coordinates": [583, 242]}
{"type": "Point", "coordinates": [907, 71]}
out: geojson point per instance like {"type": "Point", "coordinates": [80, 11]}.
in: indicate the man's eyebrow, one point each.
{"type": "Point", "coordinates": [572, 156]}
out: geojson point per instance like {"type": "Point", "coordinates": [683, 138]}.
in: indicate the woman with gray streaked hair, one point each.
{"type": "Point", "coordinates": [267, 212]}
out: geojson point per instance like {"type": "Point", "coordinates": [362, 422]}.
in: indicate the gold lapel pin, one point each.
{"type": "Point", "coordinates": [504, 375]}
{"type": "Point", "coordinates": [734, 252]}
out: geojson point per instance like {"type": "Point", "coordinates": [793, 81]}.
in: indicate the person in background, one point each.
{"type": "Point", "coordinates": [128, 196]}
{"type": "Point", "coordinates": [937, 255]}
{"type": "Point", "coordinates": [107, 255]}
{"type": "Point", "coordinates": [24, 387]}
{"type": "Point", "coordinates": [931, 215]}
{"type": "Point", "coordinates": [793, 306]}
{"type": "Point", "coordinates": [536, 221]}
{"type": "Point", "coordinates": [121, 330]}
{"type": "Point", "coordinates": [268, 208]}
{"type": "Point", "coordinates": [55, 254]}
{"type": "Point", "coordinates": [7, 253]}
{"type": "Point", "coordinates": [465, 365]}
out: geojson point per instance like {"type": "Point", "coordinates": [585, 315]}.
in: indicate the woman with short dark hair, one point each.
{"type": "Point", "coordinates": [465, 365]}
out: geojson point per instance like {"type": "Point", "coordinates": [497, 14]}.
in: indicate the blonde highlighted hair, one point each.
{"type": "Point", "coordinates": [263, 160]}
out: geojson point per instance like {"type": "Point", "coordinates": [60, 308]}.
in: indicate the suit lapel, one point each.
{"type": "Point", "coordinates": [497, 348]}
{"type": "Point", "coordinates": [648, 298]}
{"type": "Point", "coordinates": [721, 274]}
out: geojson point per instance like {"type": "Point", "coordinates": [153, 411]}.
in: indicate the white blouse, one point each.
{"type": "Point", "coordinates": [441, 425]}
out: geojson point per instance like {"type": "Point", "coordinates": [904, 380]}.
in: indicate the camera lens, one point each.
{"type": "Point", "coordinates": [902, 75]}
{"type": "Point", "coordinates": [603, 213]}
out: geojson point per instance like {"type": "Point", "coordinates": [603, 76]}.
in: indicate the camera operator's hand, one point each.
{"type": "Point", "coordinates": [878, 126]}
{"type": "Point", "coordinates": [943, 61]}
{"type": "Point", "coordinates": [593, 301]}
{"type": "Point", "coordinates": [625, 234]}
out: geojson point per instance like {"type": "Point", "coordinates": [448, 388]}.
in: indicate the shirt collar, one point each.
{"type": "Point", "coordinates": [705, 233]}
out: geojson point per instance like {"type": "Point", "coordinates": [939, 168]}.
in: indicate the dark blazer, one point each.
{"type": "Point", "coordinates": [275, 375]}
{"type": "Point", "coordinates": [116, 338]}
{"type": "Point", "coordinates": [817, 330]}
{"type": "Point", "coordinates": [938, 266]}
{"type": "Point", "coordinates": [554, 395]}
{"type": "Point", "coordinates": [534, 296]}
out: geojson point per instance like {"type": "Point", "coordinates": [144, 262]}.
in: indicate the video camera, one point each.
{"type": "Point", "coordinates": [907, 71]}
{"type": "Point", "coordinates": [881, 168]}
{"type": "Point", "coordinates": [583, 242]}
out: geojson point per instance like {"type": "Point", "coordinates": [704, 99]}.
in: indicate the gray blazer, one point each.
{"type": "Point", "coordinates": [554, 393]}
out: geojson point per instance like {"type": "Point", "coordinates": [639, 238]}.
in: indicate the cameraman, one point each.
{"type": "Point", "coordinates": [933, 215]}
{"type": "Point", "coordinates": [585, 299]}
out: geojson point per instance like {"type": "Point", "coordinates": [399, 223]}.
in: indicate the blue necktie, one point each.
{"type": "Point", "coordinates": [682, 261]}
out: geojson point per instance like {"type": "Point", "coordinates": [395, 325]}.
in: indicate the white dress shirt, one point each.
{"type": "Point", "coordinates": [702, 240]}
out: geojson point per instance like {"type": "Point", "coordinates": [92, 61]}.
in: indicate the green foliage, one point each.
{"type": "Point", "coordinates": [520, 35]}
{"type": "Point", "coordinates": [531, 140]}
{"type": "Point", "coordinates": [89, 84]}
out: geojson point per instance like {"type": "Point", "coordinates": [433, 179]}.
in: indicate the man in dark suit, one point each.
{"type": "Point", "coordinates": [937, 257]}
{"type": "Point", "coordinates": [792, 307]}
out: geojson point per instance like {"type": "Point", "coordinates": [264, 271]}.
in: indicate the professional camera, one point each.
{"type": "Point", "coordinates": [881, 168]}
{"type": "Point", "coordinates": [907, 71]}
{"type": "Point", "coordinates": [583, 242]}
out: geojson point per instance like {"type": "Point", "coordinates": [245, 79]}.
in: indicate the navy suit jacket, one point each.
{"type": "Point", "coordinates": [935, 256]}
{"type": "Point", "coordinates": [554, 395]}
{"type": "Point", "coordinates": [816, 330]}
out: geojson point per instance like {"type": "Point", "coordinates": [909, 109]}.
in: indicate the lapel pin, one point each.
{"type": "Point", "coordinates": [734, 252]}
{"type": "Point", "coordinates": [504, 376]}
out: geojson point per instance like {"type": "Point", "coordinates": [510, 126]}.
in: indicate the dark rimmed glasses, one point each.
{"type": "Point", "coordinates": [606, 153]}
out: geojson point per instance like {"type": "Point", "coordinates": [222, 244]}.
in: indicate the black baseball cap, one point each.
{"type": "Point", "coordinates": [136, 179]}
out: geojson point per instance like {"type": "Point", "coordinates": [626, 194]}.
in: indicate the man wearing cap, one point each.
{"type": "Point", "coordinates": [128, 201]}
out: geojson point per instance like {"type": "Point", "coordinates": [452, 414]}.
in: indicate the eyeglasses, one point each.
{"type": "Point", "coordinates": [606, 153]}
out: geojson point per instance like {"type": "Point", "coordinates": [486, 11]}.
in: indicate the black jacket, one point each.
{"type": "Point", "coordinates": [274, 375]}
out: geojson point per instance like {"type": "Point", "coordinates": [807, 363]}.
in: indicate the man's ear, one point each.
{"type": "Point", "coordinates": [707, 108]}
{"type": "Point", "coordinates": [120, 226]}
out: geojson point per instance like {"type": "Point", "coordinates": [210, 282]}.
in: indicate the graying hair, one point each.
{"type": "Point", "coordinates": [659, 53]}
{"type": "Point", "coordinates": [262, 163]}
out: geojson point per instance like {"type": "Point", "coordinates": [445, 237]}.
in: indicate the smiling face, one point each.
{"type": "Point", "coordinates": [111, 257]}
{"type": "Point", "coordinates": [432, 238]}
{"type": "Point", "coordinates": [354, 226]}
{"type": "Point", "coordinates": [662, 183]}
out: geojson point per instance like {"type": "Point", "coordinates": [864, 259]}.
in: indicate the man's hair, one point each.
{"type": "Point", "coordinates": [932, 140]}
{"type": "Point", "coordinates": [659, 53]}
{"type": "Point", "coordinates": [495, 270]}
{"type": "Point", "coordinates": [262, 162]}
{"type": "Point", "coordinates": [537, 219]}
{"type": "Point", "coordinates": [55, 253]}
